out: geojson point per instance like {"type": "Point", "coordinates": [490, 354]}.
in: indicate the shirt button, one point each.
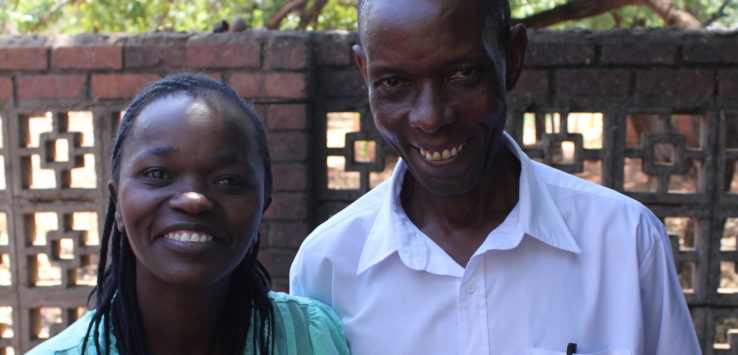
{"type": "Point", "coordinates": [471, 287]}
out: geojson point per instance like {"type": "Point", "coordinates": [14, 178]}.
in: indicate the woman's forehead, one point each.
{"type": "Point", "coordinates": [210, 112]}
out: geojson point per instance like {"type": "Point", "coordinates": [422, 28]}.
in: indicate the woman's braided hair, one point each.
{"type": "Point", "coordinates": [249, 307]}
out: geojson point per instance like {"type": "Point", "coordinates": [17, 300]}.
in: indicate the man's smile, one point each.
{"type": "Point", "coordinates": [438, 154]}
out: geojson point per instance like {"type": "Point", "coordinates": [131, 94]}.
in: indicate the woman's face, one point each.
{"type": "Point", "coordinates": [190, 190]}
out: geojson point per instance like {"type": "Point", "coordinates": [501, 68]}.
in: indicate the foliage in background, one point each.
{"type": "Point", "coordinates": [137, 16]}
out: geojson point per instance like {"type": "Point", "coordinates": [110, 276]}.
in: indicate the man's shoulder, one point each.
{"type": "Point", "coordinates": [563, 185]}
{"type": "Point", "coordinates": [351, 223]}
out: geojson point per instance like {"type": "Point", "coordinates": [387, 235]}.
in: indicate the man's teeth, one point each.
{"type": "Point", "coordinates": [441, 155]}
{"type": "Point", "coordinates": [192, 237]}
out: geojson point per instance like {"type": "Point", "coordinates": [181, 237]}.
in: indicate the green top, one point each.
{"type": "Point", "coordinates": [302, 327]}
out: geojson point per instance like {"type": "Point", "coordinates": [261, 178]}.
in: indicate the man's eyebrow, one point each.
{"type": "Point", "coordinates": [229, 158]}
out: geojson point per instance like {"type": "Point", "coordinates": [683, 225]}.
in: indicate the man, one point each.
{"type": "Point", "coordinates": [470, 247]}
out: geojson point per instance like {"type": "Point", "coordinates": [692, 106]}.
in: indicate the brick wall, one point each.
{"type": "Point", "coordinates": [294, 79]}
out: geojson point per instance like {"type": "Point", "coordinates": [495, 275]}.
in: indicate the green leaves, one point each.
{"type": "Point", "coordinates": [140, 16]}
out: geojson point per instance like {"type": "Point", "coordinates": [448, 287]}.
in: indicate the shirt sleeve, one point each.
{"type": "Point", "coordinates": [668, 327]}
{"type": "Point", "coordinates": [326, 332]}
{"type": "Point", "coordinates": [305, 326]}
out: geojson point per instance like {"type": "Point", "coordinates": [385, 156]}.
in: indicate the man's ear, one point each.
{"type": "Point", "coordinates": [360, 56]}
{"type": "Point", "coordinates": [518, 41]}
{"type": "Point", "coordinates": [113, 189]}
{"type": "Point", "coordinates": [267, 202]}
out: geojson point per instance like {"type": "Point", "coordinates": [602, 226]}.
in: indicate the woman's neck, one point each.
{"type": "Point", "coordinates": [180, 321]}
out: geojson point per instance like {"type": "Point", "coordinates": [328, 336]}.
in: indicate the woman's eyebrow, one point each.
{"type": "Point", "coordinates": [155, 151]}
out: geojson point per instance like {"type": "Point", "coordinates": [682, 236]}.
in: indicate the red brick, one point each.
{"type": "Point", "coordinates": [635, 51]}
{"type": "Point", "coordinates": [23, 58]}
{"type": "Point", "coordinates": [6, 88]}
{"type": "Point", "coordinates": [341, 83]}
{"type": "Point", "coordinates": [287, 53]}
{"type": "Point", "coordinates": [277, 261]}
{"type": "Point", "coordinates": [287, 234]}
{"type": "Point", "coordinates": [87, 57]}
{"type": "Point", "coordinates": [592, 82]}
{"type": "Point", "coordinates": [147, 56]}
{"type": "Point", "coordinates": [281, 284]}
{"type": "Point", "coordinates": [287, 116]}
{"type": "Point", "coordinates": [286, 147]}
{"type": "Point", "coordinates": [120, 86]}
{"type": "Point", "coordinates": [559, 53]}
{"type": "Point", "coordinates": [711, 50]}
{"type": "Point", "coordinates": [691, 84]}
{"type": "Point", "coordinates": [50, 86]}
{"type": "Point", "coordinates": [290, 177]}
{"type": "Point", "coordinates": [333, 51]}
{"type": "Point", "coordinates": [728, 84]}
{"type": "Point", "coordinates": [291, 207]}
{"type": "Point", "coordinates": [274, 85]}
{"type": "Point", "coordinates": [224, 55]}
{"type": "Point", "coordinates": [532, 83]}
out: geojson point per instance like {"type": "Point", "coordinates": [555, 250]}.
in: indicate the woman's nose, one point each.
{"type": "Point", "coordinates": [191, 202]}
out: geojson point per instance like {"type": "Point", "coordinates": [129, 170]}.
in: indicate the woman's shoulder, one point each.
{"type": "Point", "coordinates": [304, 322]}
{"type": "Point", "coordinates": [68, 342]}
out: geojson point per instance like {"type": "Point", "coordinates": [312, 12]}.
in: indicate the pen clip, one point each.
{"type": "Point", "coordinates": [571, 349]}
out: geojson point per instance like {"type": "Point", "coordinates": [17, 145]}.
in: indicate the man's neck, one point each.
{"type": "Point", "coordinates": [459, 224]}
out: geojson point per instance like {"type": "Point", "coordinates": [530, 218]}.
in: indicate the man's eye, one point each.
{"type": "Point", "coordinates": [393, 82]}
{"type": "Point", "coordinates": [463, 73]}
{"type": "Point", "coordinates": [228, 180]}
{"type": "Point", "coordinates": [156, 174]}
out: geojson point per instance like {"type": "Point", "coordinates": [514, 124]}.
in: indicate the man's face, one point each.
{"type": "Point", "coordinates": [437, 96]}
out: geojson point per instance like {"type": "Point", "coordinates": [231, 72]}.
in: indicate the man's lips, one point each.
{"type": "Point", "coordinates": [440, 154]}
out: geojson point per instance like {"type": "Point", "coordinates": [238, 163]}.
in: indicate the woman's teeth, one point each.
{"type": "Point", "coordinates": [441, 155]}
{"type": "Point", "coordinates": [193, 237]}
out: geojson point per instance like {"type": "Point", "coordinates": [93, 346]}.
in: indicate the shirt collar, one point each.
{"type": "Point", "coordinates": [539, 217]}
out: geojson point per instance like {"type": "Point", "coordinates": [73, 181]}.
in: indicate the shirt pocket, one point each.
{"type": "Point", "coordinates": [539, 351]}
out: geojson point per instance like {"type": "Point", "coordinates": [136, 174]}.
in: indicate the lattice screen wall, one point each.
{"type": "Point", "coordinates": [651, 113]}
{"type": "Point", "coordinates": [52, 198]}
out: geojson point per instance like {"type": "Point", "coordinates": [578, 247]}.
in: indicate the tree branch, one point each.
{"type": "Point", "coordinates": [579, 9]}
{"type": "Point", "coordinates": [310, 16]}
{"type": "Point", "coordinates": [673, 16]}
{"type": "Point", "coordinates": [574, 10]}
{"type": "Point", "coordinates": [49, 14]}
{"type": "Point", "coordinates": [276, 19]}
{"type": "Point", "coordinates": [717, 15]}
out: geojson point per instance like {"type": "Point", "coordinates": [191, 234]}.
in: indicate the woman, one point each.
{"type": "Point", "coordinates": [191, 179]}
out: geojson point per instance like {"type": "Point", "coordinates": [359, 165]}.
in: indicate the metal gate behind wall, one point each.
{"type": "Point", "coordinates": [653, 114]}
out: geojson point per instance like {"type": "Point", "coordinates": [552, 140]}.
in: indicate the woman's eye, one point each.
{"type": "Point", "coordinates": [156, 174]}
{"type": "Point", "coordinates": [393, 82]}
{"type": "Point", "coordinates": [463, 73]}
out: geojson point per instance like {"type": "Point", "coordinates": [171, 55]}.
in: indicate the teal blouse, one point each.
{"type": "Point", "coordinates": [302, 327]}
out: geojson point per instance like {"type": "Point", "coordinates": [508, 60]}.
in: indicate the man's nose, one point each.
{"type": "Point", "coordinates": [431, 110]}
{"type": "Point", "coordinates": [191, 202]}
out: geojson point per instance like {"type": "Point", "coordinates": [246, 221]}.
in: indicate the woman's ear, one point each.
{"type": "Point", "coordinates": [113, 189]}
{"type": "Point", "coordinates": [515, 54]}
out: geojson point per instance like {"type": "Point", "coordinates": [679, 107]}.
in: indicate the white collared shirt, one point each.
{"type": "Point", "coordinates": [573, 262]}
